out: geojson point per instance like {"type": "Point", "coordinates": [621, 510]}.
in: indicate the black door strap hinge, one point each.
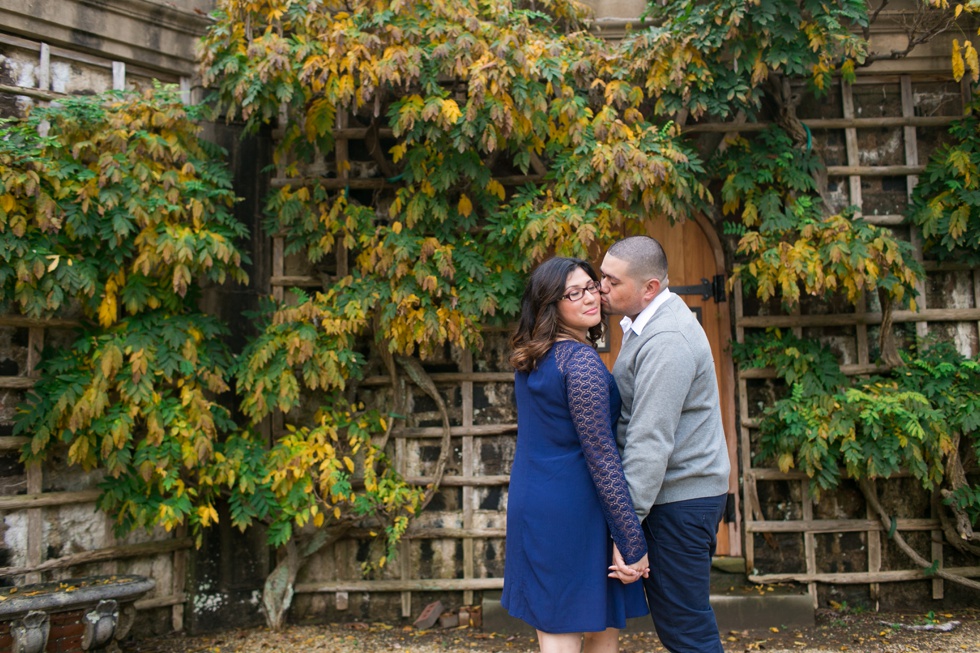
{"type": "Point", "coordinates": [713, 289]}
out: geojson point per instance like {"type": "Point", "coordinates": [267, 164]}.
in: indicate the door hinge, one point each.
{"type": "Point", "coordinates": [708, 289]}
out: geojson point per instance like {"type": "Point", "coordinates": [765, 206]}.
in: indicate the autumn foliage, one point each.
{"type": "Point", "coordinates": [502, 133]}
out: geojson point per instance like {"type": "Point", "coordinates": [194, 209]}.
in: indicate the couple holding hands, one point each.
{"type": "Point", "coordinates": [619, 481]}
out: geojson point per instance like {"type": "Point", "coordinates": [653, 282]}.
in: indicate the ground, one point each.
{"type": "Point", "coordinates": [834, 632]}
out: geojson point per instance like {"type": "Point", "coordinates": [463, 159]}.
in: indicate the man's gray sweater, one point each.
{"type": "Point", "coordinates": [670, 433]}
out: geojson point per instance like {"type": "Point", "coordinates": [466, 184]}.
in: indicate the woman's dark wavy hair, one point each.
{"type": "Point", "coordinates": [540, 325]}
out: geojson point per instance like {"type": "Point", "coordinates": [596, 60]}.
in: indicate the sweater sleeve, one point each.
{"type": "Point", "coordinates": [588, 401]}
{"type": "Point", "coordinates": [663, 370]}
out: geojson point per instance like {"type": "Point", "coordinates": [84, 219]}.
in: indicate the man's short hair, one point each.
{"type": "Point", "coordinates": [644, 256]}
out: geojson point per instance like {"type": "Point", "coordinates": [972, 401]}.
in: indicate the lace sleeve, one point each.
{"type": "Point", "coordinates": [588, 401]}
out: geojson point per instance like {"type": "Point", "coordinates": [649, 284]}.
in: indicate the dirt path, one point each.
{"type": "Point", "coordinates": [834, 632]}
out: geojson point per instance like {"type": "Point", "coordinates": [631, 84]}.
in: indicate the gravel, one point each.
{"type": "Point", "coordinates": [834, 632]}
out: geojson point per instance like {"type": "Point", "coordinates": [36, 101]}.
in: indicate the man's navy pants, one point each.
{"type": "Point", "coordinates": [681, 538]}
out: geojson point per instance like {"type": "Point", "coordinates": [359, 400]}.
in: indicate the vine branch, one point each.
{"type": "Point", "coordinates": [871, 495]}
{"type": "Point", "coordinates": [424, 381]}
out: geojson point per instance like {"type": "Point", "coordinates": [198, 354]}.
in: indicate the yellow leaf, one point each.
{"type": "Point", "coordinates": [450, 111]}
{"type": "Point", "coordinates": [465, 206]}
{"type": "Point", "coordinates": [7, 202]}
{"type": "Point", "coordinates": [972, 60]}
{"type": "Point", "coordinates": [785, 461]}
{"type": "Point", "coordinates": [108, 308]}
{"type": "Point", "coordinates": [958, 67]}
{"type": "Point", "coordinates": [349, 464]}
{"type": "Point", "coordinates": [336, 512]}
{"type": "Point", "coordinates": [396, 227]}
{"type": "Point", "coordinates": [497, 189]}
{"type": "Point", "coordinates": [397, 152]}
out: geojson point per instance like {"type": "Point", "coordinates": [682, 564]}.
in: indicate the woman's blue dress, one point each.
{"type": "Point", "coordinates": [568, 500]}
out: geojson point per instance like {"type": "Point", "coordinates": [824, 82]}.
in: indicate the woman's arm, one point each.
{"type": "Point", "coordinates": [588, 402]}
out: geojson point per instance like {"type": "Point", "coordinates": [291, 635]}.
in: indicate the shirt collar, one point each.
{"type": "Point", "coordinates": [646, 314]}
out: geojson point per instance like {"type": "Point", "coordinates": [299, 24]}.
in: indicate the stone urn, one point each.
{"type": "Point", "coordinates": [78, 614]}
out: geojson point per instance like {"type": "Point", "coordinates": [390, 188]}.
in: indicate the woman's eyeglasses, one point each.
{"type": "Point", "coordinates": [576, 294]}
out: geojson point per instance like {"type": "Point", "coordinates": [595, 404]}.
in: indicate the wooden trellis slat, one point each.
{"type": "Point", "coordinates": [181, 558]}
{"type": "Point", "coordinates": [856, 199]}
{"type": "Point", "coordinates": [809, 542]}
{"type": "Point", "coordinates": [859, 577]}
{"type": "Point", "coordinates": [16, 382]}
{"type": "Point", "coordinates": [454, 431]}
{"type": "Point", "coordinates": [24, 322]}
{"type": "Point", "coordinates": [296, 281]}
{"type": "Point", "coordinates": [838, 525]}
{"type": "Point", "coordinates": [35, 479]}
{"type": "Point", "coordinates": [404, 550]}
{"type": "Point", "coordinates": [847, 370]}
{"type": "Point", "coordinates": [774, 474]}
{"type": "Point", "coordinates": [850, 319]}
{"type": "Point", "coordinates": [462, 481]}
{"type": "Point", "coordinates": [888, 220]}
{"type": "Point", "coordinates": [12, 443]}
{"type": "Point", "coordinates": [910, 139]}
{"type": "Point", "coordinates": [827, 124]}
{"type": "Point", "coordinates": [117, 552]}
{"type": "Point", "coordinates": [360, 133]}
{"type": "Point", "coordinates": [37, 500]}
{"type": "Point", "coordinates": [452, 377]}
{"type": "Point", "coordinates": [401, 585]}
{"type": "Point", "coordinates": [176, 601]}
{"type": "Point", "coordinates": [442, 532]}
{"type": "Point", "coordinates": [752, 512]}
{"type": "Point", "coordinates": [45, 96]}
{"type": "Point", "coordinates": [469, 471]}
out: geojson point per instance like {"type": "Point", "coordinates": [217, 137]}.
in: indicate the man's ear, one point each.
{"type": "Point", "coordinates": [651, 289]}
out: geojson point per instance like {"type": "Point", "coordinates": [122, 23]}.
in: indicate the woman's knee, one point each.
{"type": "Point", "coordinates": [605, 641]}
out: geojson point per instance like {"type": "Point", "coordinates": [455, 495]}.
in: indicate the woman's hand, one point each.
{"type": "Point", "coordinates": [628, 573]}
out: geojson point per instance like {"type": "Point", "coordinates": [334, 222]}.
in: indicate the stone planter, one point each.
{"type": "Point", "coordinates": [79, 614]}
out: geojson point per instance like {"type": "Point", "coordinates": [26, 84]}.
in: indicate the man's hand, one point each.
{"type": "Point", "coordinates": [628, 573]}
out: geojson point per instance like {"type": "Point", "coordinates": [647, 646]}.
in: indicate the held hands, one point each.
{"type": "Point", "coordinates": [628, 573]}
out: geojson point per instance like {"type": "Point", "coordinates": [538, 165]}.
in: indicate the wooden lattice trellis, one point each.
{"type": "Point", "coordinates": [860, 321]}
{"type": "Point", "coordinates": [807, 526]}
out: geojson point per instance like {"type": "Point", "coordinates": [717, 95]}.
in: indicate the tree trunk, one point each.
{"type": "Point", "coordinates": [277, 593]}
{"type": "Point", "coordinates": [886, 338]}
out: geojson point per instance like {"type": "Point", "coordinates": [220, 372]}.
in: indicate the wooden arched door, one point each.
{"type": "Point", "coordinates": [694, 254]}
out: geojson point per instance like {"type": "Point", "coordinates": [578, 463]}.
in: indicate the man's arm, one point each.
{"type": "Point", "coordinates": [664, 369]}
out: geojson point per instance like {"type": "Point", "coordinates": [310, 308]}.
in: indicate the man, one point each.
{"type": "Point", "coordinates": [671, 440]}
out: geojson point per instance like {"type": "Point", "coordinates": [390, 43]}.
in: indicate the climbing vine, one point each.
{"type": "Point", "coordinates": [113, 210]}
{"type": "Point", "coordinates": [503, 132]}
{"type": "Point", "coordinates": [944, 203]}
{"type": "Point", "coordinates": [922, 417]}
{"type": "Point", "coordinates": [114, 213]}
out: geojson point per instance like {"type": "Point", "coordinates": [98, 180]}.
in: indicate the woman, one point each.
{"type": "Point", "coordinates": [568, 499]}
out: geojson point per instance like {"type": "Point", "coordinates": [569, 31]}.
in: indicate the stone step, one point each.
{"type": "Point", "coordinates": [738, 605]}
